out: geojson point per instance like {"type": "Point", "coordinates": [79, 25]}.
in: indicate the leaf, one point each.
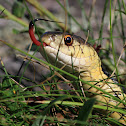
{"type": "Point", "coordinates": [85, 111]}
{"type": "Point", "coordinates": [39, 121]}
{"type": "Point", "coordinates": [18, 9]}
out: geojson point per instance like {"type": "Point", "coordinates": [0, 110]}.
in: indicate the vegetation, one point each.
{"type": "Point", "coordinates": [21, 105]}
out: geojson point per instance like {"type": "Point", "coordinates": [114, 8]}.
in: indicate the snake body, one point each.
{"type": "Point", "coordinates": [74, 52]}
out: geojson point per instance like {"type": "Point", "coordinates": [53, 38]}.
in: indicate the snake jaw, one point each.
{"type": "Point", "coordinates": [44, 44]}
{"type": "Point", "coordinates": [54, 53]}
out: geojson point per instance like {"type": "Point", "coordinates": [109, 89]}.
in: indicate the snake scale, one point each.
{"type": "Point", "coordinates": [73, 51]}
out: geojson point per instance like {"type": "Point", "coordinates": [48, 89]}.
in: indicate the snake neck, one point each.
{"type": "Point", "coordinates": [94, 75]}
{"type": "Point", "coordinates": [93, 71]}
{"type": "Point", "coordinates": [97, 77]}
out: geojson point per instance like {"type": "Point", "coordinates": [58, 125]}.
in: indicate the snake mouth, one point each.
{"type": "Point", "coordinates": [45, 44]}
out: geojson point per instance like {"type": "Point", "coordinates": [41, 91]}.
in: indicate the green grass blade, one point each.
{"type": "Point", "coordinates": [39, 121]}
{"type": "Point", "coordinates": [102, 21]}
{"type": "Point", "coordinates": [52, 103]}
{"type": "Point", "coordinates": [111, 38]}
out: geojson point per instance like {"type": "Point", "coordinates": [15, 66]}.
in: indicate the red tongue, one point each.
{"type": "Point", "coordinates": [31, 33]}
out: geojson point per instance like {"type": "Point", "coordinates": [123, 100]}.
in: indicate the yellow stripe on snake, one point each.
{"type": "Point", "coordinates": [73, 51]}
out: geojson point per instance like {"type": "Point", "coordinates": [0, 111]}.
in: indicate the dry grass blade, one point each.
{"type": "Point", "coordinates": [46, 12]}
{"type": "Point", "coordinates": [55, 73]}
{"type": "Point", "coordinates": [119, 59]}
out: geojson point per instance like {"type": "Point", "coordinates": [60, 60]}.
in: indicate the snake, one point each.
{"type": "Point", "coordinates": [75, 53]}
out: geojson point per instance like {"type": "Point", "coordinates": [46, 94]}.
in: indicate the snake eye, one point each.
{"type": "Point", "coordinates": [68, 40]}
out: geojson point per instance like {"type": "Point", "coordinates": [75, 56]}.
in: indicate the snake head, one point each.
{"type": "Point", "coordinates": [67, 49]}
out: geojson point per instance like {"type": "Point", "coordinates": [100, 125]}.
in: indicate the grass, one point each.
{"type": "Point", "coordinates": [52, 105]}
